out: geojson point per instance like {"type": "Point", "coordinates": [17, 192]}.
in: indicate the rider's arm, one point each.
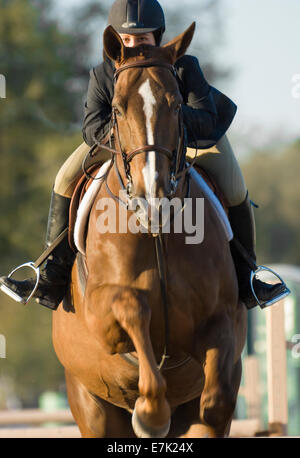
{"type": "Point", "coordinates": [199, 110]}
{"type": "Point", "coordinates": [97, 110]}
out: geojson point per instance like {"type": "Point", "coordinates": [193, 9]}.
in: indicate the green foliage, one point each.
{"type": "Point", "coordinates": [40, 124]}
{"type": "Point", "coordinates": [40, 63]}
{"type": "Point", "coordinates": [273, 183]}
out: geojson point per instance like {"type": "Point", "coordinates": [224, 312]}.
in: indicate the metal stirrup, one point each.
{"type": "Point", "coordinates": [35, 266]}
{"type": "Point", "coordinates": [13, 294]}
{"type": "Point", "coordinates": [275, 299]}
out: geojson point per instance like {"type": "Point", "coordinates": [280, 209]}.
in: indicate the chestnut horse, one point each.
{"type": "Point", "coordinates": [112, 336]}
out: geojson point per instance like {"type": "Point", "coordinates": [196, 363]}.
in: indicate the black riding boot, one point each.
{"type": "Point", "coordinates": [54, 278]}
{"type": "Point", "coordinates": [243, 226]}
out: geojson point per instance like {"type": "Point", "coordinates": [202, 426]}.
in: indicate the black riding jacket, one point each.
{"type": "Point", "coordinates": [207, 113]}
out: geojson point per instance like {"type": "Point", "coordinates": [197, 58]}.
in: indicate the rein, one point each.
{"type": "Point", "coordinates": [178, 171]}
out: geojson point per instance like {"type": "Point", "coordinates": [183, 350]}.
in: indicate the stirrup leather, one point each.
{"type": "Point", "coordinates": [280, 296]}
{"type": "Point", "coordinates": [12, 293]}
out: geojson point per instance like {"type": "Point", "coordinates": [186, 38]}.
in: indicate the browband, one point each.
{"type": "Point", "coordinates": [145, 63]}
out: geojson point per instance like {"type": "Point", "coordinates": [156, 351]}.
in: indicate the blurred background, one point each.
{"type": "Point", "coordinates": [249, 50]}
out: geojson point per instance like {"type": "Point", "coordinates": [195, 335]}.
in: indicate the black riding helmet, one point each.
{"type": "Point", "coordinates": [137, 16]}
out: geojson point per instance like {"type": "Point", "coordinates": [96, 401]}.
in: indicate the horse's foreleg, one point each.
{"type": "Point", "coordinates": [88, 415]}
{"type": "Point", "coordinates": [95, 417]}
{"type": "Point", "coordinates": [222, 377]}
{"type": "Point", "coordinates": [151, 416]}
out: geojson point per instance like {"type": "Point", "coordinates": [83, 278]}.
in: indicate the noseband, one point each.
{"type": "Point", "coordinates": [176, 157]}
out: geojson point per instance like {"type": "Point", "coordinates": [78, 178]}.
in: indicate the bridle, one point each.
{"type": "Point", "coordinates": [178, 167]}
{"type": "Point", "coordinates": [178, 171]}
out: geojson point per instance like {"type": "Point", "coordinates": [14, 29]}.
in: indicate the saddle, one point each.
{"type": "Point", "coordinates": [213, 186]}
{"type": "Point", "coordinates": [84, 183]}
{"type": "Point", "coordinates": [81, 188]}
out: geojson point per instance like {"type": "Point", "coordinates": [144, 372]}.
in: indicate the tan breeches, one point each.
{"type": "Point", "coordinates": [71, 170]}
{"type": "Point", "coordinates": [219, 161]}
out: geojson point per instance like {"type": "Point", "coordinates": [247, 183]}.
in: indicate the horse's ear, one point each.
{"type": "Point", "coordinates": [180, 44]}
{"type": "Point", "coordinates": [112, 44]}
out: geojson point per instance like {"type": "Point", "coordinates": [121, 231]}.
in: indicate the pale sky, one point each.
{"type": "Point", "coordinates": [262, 44]}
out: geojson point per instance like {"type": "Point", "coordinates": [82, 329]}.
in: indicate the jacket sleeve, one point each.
{"type": "Point", "coordinates": [199, 110]}
{"type": "Point", "coordinates": [97, 111]}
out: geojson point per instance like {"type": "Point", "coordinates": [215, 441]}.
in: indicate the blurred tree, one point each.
{"type": "Point", "coordinates": [40, 120]}
{"type": "Point", "coordinates": [273, 182]}
{"type": "Point", "coordinates": [209, 34]}
{"type": "Point", "coordinates": [41, 64]}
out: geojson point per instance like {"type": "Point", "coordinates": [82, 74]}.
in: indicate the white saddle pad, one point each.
{"type": "Point", "coordinates": [90, 195]}
{"type": "Point", "coordinates": [215, 203]}
{"type": "Point", "coordinates": [85, 207]}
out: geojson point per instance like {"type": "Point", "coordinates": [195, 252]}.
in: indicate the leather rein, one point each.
{"type": "Point", "coordinates": [178, 170]}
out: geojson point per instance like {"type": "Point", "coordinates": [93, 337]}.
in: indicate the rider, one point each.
{"type": "Point", "coordinates": [207, 114]}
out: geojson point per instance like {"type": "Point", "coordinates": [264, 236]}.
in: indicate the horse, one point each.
{"type": "Point", "coordinates": [134, 367]}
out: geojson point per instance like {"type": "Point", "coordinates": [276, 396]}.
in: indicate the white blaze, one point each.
{"type": "Point", "coordinates": [149, 171]}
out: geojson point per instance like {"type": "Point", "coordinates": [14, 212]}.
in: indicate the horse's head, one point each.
{"type": "Point", "coordinates": [147, 112]}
